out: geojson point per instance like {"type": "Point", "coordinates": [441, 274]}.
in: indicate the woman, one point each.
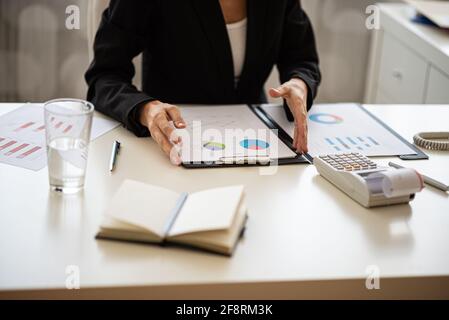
{"type": "Point", "coordinates": [201, 52]}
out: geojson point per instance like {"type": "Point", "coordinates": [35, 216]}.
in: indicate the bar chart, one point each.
{"type": "Point", "coordinates": [352, 143]}
{"type": "Point", "coordinates": [22, 135]}
{"type": "Point", "coordinates": [343, 128]}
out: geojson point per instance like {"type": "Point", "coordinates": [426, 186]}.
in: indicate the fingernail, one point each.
{"type": "Point", "coordinates": [180, 124]}
{"type": "Point", "coordinates": [175, 139]}
{"type": "Point", "coordinates": [176, 160]}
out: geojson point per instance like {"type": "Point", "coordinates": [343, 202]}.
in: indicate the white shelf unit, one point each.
{"type": "Point", "coordinates": [409, 62]}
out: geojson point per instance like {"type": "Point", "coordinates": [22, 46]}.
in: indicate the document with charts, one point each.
{"type": "Point", "coordinates": [22, 135]}
{"type": "Point", "coordinates": [217, 132]}
{"type": "Point", "coordinates": [343, 128]}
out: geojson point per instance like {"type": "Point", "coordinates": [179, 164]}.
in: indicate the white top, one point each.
{"type": "Point", "coordinates": [301, 230]}
{"type": "Point", "coordinates": [237, 39]}
{"type": "Point", "coordinates": [435, 46]}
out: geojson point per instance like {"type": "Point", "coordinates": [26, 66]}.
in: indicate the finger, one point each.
{"type": "Point", "coordinates": [306, 142]}
{"type": "Point", "coordinates": [175, 158]}
{"type": "Point", "coordinates": [295, 138]}
{"type": "Point", "coordinates": [301, 132]}
{"type": "Point", "coordinates": [302, 138]}
{"type": "Point", "coordinates": [166, 128]}
{"type": "Point", "coordinates": [280, 92]}
{"type": "Point", "coordinates": [300, 115]}
{"type": "Point", "coordinates": [158, 136]}
{"type": "Point", "coordinates": [175, 116]}
{"type": "Point", "coordinates": [166, 146]}
{"type": "Point", "coordinates": [305, 135]}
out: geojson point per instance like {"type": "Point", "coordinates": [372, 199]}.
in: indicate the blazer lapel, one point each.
{"type": "Point", "coordinates": [214, 27]}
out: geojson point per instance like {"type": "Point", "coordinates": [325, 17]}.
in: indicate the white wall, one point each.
{"type": "Point", "coordinates": [44, 59]}
{"type": "Point", "coordinates": [343, 43]}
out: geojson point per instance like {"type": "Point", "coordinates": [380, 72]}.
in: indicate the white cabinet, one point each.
{"type": "Point", "coordinates": [402, 73]}
{"type": "Point", "coordinates": [409, 62]}
{"type": "Point", "coordinates": [438, 87]}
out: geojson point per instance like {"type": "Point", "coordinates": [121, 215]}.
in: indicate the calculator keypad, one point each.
{"type": "Point", "coordinates": [349, 162]}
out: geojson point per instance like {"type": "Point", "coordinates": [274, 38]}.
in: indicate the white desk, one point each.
{"type": "Point", "coordinates": [304, 238]}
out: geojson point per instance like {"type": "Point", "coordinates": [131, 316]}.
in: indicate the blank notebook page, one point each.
{"type": "Point", "coordinates": [208, 210]}
{"type": "Point", "coordinates": [143, 205]}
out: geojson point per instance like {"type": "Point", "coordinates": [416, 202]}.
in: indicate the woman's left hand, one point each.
{"type": "Point", "coordinates": [295, 93]}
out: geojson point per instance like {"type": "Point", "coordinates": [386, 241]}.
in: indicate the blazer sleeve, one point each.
{"type": "Point", "coordinates": [298, 56]}
{"type": "Point", "coordinates": [121, 36]}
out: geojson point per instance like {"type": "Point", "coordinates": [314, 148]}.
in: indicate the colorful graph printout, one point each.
{"type": "Point", "coordinates": [22, 135]}
{"type": "Point", "coordinates": [343, 128]}
{"type": "Point", "coordinates": [254, 144]}
{"type": "Point", "coordinates": [214, 146]}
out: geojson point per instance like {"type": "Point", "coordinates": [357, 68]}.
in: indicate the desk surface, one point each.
{"type": "Point", "coordinates": [304, 237]}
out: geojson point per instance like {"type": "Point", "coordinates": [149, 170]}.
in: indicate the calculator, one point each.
{"type": "Point", "coordinates": [350, 173]}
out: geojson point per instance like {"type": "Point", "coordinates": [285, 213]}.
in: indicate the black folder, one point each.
{"type": "Point", "coordinates": [301, 158]}
{"type": "Point", "coordinates": [282, 135]}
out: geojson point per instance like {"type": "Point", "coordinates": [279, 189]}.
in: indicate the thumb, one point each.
{"type": "Point", "coordinates": [278, 92]}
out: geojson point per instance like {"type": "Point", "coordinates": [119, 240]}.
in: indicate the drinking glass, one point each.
{"type": "Point", "coordinates": [68, 124]}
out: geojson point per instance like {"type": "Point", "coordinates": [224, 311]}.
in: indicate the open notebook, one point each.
{"type": "Point", "coordinates": [146, 213]}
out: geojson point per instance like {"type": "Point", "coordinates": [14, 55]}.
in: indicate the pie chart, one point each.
{"type": "Point", "coordinates": [214, 146]}
{"type": "Point", "coordinates": [325, 118]}
{"type": "Point", "coordinates": [254, 144]}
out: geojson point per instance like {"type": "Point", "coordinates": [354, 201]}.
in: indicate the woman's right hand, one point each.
{"type": "Point", "coordinates": [157, 117]}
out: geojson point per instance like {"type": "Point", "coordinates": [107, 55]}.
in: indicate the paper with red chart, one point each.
{"type": "Point", "coordinates": [22, 135]}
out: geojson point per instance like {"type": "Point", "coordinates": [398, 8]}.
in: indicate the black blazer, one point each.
{"type": "Point", "coordinates": [187, 56]}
